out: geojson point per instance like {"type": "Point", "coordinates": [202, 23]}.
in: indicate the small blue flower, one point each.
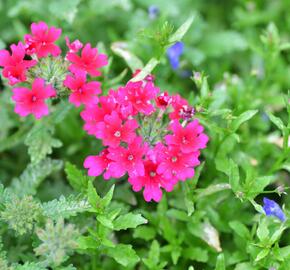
{"type": "Point", "coordinates": [271, 208]}
{"type": "Point", "coordinates": [153, 12]}
{"type": "Point", "coordinates": [174, 53]}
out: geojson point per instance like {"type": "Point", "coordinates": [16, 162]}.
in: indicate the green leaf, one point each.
{"type": "Point", "coordinates": [144, 232]}
{"type": "Point", "coordinates": [129, 220]}
{"type": "Point", "coordinates": [262, 231]}
{"type": "Point", "coordinates": [108, 197]}
{"type": "Point", "coordinates": [123, 254]}
{"type": "Point", "coordinates": [240, 229]}
{"type": "Point", "coordinates": [181, 31]}
{"type": "Point", "coordinates": [64, 9]}
{"type": "Point", "coordinates": [33, 176]}
{"type": "Point", "coordinates": [76, 177]}
{"type": "Point", "coordinates": [88, 242]}
{"type": "Point", "coordinates": [220, 262]}
{"type": "Point", "coordinates": [40, 142]}
{"type": "Point", "coordinates": [146, 70]}
{"type": "Point", "coordinates": [234, 176]}
{"type": "Point", "coordinates": [245, 116]}
{"type": "Point", "coordinates": [105, 221]}
{"type": "Point", "coordinates": [94, 198]}
{"type": "Point", "coordinates": [196, 254]}
{"type": "Point", "coordinates": [121, 49]}
{"type": "Point", "coordinates": [65, 207]}
{"type": "Point", "coordinates": [276, 121]}
{"type": "Point", "coordinates": [262, 254]}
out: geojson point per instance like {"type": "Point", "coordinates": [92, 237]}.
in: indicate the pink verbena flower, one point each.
{"type": "Point", "coordinates": [152, 182]}
{"type": "Point", "coordinates": [33, 101]}
{"type": "Point", "coordinates": [96, 165]}
{"type": "Point", "coordinates": [128, 159]}
{"type": "Point", "coordinates": [41, 41]}
{"type": "Point", "coordinates": [179, 105]}
{"type": "Point", "coordinates": [89, 61]}
{"type": "Point", "coordinates": [139, 95]}
{"type": "Point", "coordinates": [73, 47]}
{"type": "Point", "coordinates": [93, 115]}
{"type": "Point", "coordinates": [113, 131]}
{"type": "Point", "coordinates": [175, 164]}
{"type": "Point", "coordinates": [15, 66]}
{"type": "Point", "coordinates": [83, 92]}
{"type": "Point", "coordinates": [189, 138]}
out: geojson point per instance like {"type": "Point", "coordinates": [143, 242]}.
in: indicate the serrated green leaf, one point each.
{"type": "Point", "coordinates": [40, 142]}
{"type": "Point", "coordinates": [123, 254]}
{"type": "Point", "coordinates": [144, 232]}
{"type": "Point", "coordinates": [65, 207]}
{"type": "Point", "coordinates": [127, 221]}
{"type": "Point", "coordinates": [262, 254]}
{"type": "Point", "coordinates": [93, 197]}
{"type": "Point", "coordinates": [33, 176]}
{"type": "Point", "coordinates": [262, 231]}
{"type": "Point", "coordinates": [108, 197]}
{"type": "Point", "coordinates": [234, 176]}
{"type": "Point", "coordinates": [105, 221]}
{"type": "Point", "coordinates": [76, 177]}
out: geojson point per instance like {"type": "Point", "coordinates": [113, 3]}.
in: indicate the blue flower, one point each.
{"type": "Point", "coordinates": [271, 208]}
{"type": "Point", "coordinates": [174, 53]}
{"type": "Point", "coordinates": [153, 12]}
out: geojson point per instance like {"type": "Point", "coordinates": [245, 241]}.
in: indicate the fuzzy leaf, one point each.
{"type": "Point", "coordinates": [65, 207]}
{"type": "Point", "coordinates": [181, 31]}
{"type": "Point", "coordinates": [33, 176]}
{"type": "Point", "coordinates": [40, 142]}
{"type": "Point", "coordinates": [245, 116]}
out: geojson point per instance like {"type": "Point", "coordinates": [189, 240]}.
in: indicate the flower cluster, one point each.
{"type": "Point", "coordinates": [151, 136]}
{"type": "Point", "coordinates": [37, 62]}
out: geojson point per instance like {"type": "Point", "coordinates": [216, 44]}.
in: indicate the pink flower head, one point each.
{"type": "Point", "coordinates": [128, 159]}
{"type": "Point", "coordinates": [148, 78]}
{"type": "Point", "coordinates": [33, 101]}
{"type": "Point", "coordinates": [179, 104]}
{"type": "Point", "coordinates": [163, 100]}
{"type": "Point", "coordinates": [41, 42]}
{"type": "Point", "coordinates": [89, 61]}
{"type": "Point", "coordinates": [14, 65]}
{"type": "Point", "coordinates": [82, 92]}
{"type": "Point", "coordinates": [189, 138]}
{"type": "Point", "coordinates": [96, 165]}
{"type": "Point", "coordinates": [73, 47]}
{"type": "Point", "coordinates": [139, 96]}
{"type": "Point", "coordinates": [113, 132]}
{"type": "Point", "coordinates": [152, 182]}
{"type": "Point", "coordinates": [93, 115]}
{"type": "Point", "coordinates": [175, 164]}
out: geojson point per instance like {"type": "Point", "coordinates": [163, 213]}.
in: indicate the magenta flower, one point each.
{"type": "Point", "coordinates": [113, 132]}
{"type": "Point", "coordinates": [96, 165]}
{"type": "Point", "coordinates": [82, 92]}
{"type": "Point", "coordinates": [128, 159]}
{"type": "Point", "coordinates": [33, 101]}
{"type": "Point", "coordinates": [175, 164]}
{"type": "Point", "coordinates": [15, 66]}
{"type": "Point", "coordinates": [73, 47]}
{"type": "Point", "coordinates": [41, 42]}
{"type": "Point", "coordinates": [179, 105]}
{"type": "Point", "coordinates": [189, 139]}
{"type": "Point", "coordinates": [152, 182]}
{"type": "Point", "coordinates": [89, 61]}
{"type": "Point", "coordinates": [139, 96]}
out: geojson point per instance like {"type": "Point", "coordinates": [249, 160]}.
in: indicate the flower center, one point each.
{"type": "Point", "coordinates": [184, 140]}
{"type": "Point", "coordinates": [152, 174]}
{"type": "Point", "coordinates": [117, 134]}
{"type": "Point", "coordinates": [33, 98]}
{"type": "Point", "coordinates": [174, 159]}
{"type": "Point", "coordinates": [130, 157]}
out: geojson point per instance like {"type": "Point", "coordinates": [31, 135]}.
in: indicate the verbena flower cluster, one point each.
{"type": "Point", "coordinates": [37, 64]}
{"type": "Point", "coordinates": [151, 136]}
